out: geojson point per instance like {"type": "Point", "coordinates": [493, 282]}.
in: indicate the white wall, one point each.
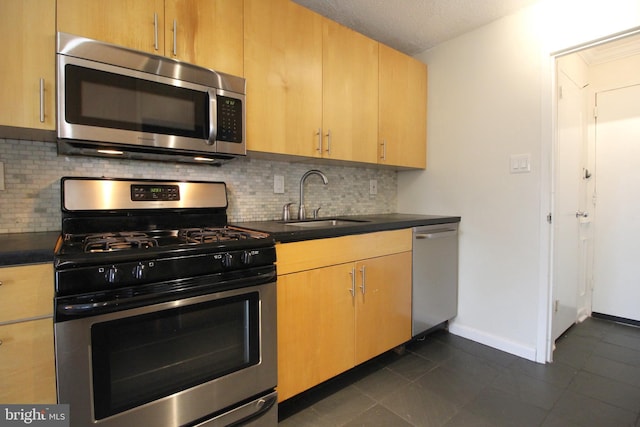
{"type": "Point", "coordinates": [490, 97]}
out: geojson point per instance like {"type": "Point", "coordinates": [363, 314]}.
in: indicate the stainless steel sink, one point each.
{"type": "Point", "coordinates": [324, 223]}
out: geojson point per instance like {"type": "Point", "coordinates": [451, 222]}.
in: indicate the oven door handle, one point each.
{"type": "Point", "coordinates": [243, 414]}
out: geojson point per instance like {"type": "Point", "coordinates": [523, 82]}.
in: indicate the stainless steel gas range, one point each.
{"type": "Point", "coordinates": [164, 314]}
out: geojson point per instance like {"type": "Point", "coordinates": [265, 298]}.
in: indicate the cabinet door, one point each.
{"type": "Point", "coordinates": [283, 67]}
{"type": "Point", "coordinates": [383, 308]}
{"type": "Point", "coordinates": [27, 86]}
{"type": "Point", "coordinates": [350, 100]}
{"type": "Point", "coordinates": [27, 371]}
{"type": "Point", "coordinates": [26, 292]}
{"type": "Point", "coordinates": [208, 33]}
{"type": "Point", "coordinates": [137, 24]}
{"type": "Point", "coordinates": [315, 327]}
{"type": "Point", "coordinates": [403, 109]}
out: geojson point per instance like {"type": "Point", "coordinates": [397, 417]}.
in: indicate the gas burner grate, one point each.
{"type": "Point", "coordinates": [217, 235]}
{"type": "Point", "coordinates": [109, 242]}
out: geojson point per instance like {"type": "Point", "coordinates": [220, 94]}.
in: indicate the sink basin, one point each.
{"type": "Point", "coordinates": [324, 223]}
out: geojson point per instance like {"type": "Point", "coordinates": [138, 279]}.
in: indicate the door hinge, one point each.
{"type": "Point", "coordinates": [556, 305]}
{"type": "Point", "coordinates": [559, 92]}
{"type": "Point", "coordinates": [549, 218]}
{"type": "Point", "coordinates": [595, 112]}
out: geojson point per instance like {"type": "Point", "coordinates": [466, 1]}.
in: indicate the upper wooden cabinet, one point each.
{"type": "Point", "coordinates": [27, 86]}
{"type": "Point", "coordinates": [350, 94]}
{"type": "Point", "coordinates": [206, 32]}
{"type": "Point", "coordinates": [403, 110]}
{"type": "Point", "coordinates": [312, 84]}
{"type": "Point", "coordinates": [202, 32]}
{"type": "Point", "coordinates": [283, 67]}
{"type": "Point", "coordinates": [137, 24]}
{"type": "Point", "coordinates": [318, 89]}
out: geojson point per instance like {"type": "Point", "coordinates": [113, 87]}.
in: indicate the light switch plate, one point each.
{"type": "Point", "coordinates": [278, 184]}
{"type": "Point", "coordinates": [520, 163]}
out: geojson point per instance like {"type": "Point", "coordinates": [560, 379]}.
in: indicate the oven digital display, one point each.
{"type": "Point", "coordinates": [144, 193]}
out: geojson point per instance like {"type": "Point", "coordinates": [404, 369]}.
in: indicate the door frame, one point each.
{"type": "Point", "coordinates": [545, 342]}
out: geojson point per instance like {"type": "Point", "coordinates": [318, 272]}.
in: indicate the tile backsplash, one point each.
{"type": "Point", "coordinates": [30, 201]}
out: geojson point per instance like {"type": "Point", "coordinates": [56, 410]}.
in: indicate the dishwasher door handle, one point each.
{"type": "Point", "coordinates": [436, 235]}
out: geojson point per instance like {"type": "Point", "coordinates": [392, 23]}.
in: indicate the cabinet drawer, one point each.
{"type": "Point", "coordinates": [27, 369]}
{"type": "Point", "coordinates": [309, 254]}
{"type": "Point", "coordinates": [26, 292]}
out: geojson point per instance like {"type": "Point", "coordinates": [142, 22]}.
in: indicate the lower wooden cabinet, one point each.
{"type": "Point", "coordinates": [383, 304]}
{"type": "Point", "coordinates": [315, 328]}
{"type": "Point", "coordinates": [334, 317]}
{"type": "Point", "coordinates": [27, 367]}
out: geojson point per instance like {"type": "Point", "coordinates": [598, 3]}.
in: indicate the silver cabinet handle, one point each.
{"type": "Point", "coordinates": [384, 149]}
{"type": "Point", "coordinates": [155, 31]}
{"type": "Point", "coordinates": [363, 271]}
{"type": "Point", "coordinates": [329, 142]}
{"type": "Point", "coordinates": [41, 100]}
{"type": "Point", "coordinates": [582, 214]}
{"type": "Point", "coordinates": [175, 37]}
{"type": "Point", "coordinates": [319, 134]}
{"type": "Point", "coordinates": [352, 291]}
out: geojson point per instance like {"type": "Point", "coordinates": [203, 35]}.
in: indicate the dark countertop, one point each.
{"type": "Point", "coordinates": [33, 248]}
{"type": "Point", "coordinates": [27, 248]}
{"type": "Point", "coordinates": [284, 233]}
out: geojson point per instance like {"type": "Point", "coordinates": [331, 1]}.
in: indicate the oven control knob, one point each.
{"type": "Point", "coordinates": [112, 274]}
{"type": "Point", "coordinates": [246, 257]}
{"type": "Point", "coordinates": [139, 271]}
{"type": "Point", "coordinates": [226, 260]}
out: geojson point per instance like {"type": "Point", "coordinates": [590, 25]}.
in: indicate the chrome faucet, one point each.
{"type": "Point", "coordinates": [301, 211]}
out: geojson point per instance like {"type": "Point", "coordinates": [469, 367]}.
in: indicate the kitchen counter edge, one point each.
{"type": "Point", "coordinates": [27, 248]}
{"type": "Point", "coordinates": [284, 233]}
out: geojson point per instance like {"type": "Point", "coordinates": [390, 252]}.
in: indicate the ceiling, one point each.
{"type": "Point", "coordinates": [413, 26]}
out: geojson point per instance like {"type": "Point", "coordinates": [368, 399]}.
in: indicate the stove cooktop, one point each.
{"type": "Point", "coordinates": [120, 234]}
{"type": "Point", "coordinates": [143, 240]}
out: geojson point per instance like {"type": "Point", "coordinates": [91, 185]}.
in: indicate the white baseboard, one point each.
{"type": "Point", "coordinates": [494, 341]}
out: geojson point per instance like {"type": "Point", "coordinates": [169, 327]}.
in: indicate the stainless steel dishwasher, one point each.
{"type": "Point", "coordinates": [435, 276]}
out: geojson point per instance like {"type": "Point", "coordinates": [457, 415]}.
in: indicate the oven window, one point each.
{"type": "Point", "coordinates": [143, 358]}
{"type": "Point", "coordinates": [99, 98]}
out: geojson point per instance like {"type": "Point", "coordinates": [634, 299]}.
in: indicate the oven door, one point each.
{"type": "Point", "coordinates": [170, 363]}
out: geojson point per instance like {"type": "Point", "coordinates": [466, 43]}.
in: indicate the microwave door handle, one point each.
{"type": "Point", "coordinates": [213, 117]}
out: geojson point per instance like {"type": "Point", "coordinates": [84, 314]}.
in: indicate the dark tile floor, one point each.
{"type": "Point", "coordinates": [449, 381]}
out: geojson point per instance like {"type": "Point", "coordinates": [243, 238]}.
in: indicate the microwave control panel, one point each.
{"type": "Point", "coordinates": [229, 119]}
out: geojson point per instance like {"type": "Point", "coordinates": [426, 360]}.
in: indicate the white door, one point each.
{"type": "Point", "coordinates": [567, 196]}
{"type": "Point", "coordinates": [616, 288]}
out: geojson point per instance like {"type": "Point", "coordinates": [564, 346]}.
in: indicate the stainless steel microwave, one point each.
{"type": "Point", "coordinates": [114, 101]}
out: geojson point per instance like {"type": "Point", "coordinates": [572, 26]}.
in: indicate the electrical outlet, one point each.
{"type": "Point", "coordinates": [373, 186]}
{"type": "Point", "coordinates": [278, 184]}
{"type": "Point", "coordinates": [1, 176]}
